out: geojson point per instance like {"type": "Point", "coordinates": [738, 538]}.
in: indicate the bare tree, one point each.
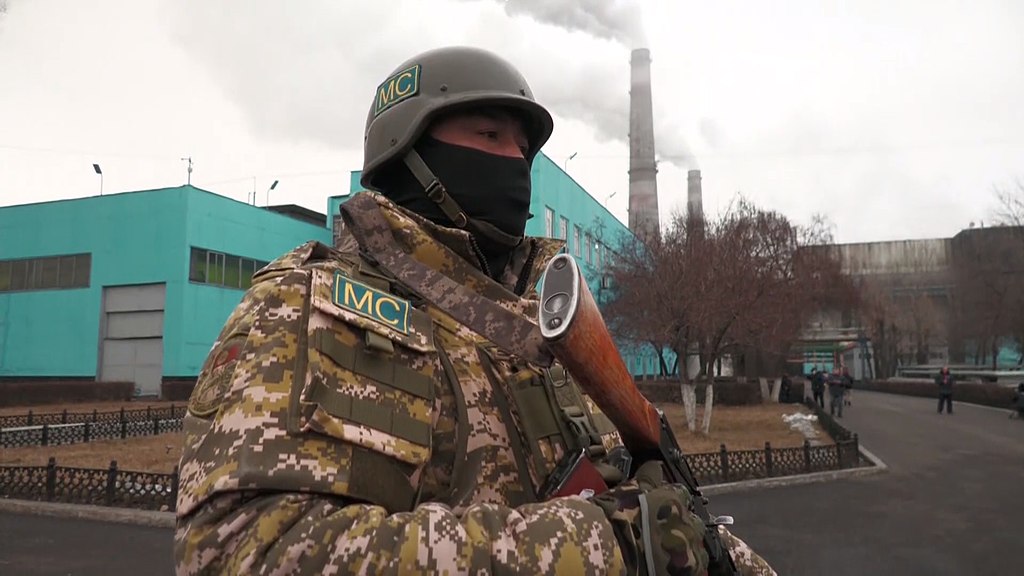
{"type": "Point", "coordinates": [715, 288]}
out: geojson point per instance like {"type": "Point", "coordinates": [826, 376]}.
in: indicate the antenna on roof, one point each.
{"type": "Point", "coordinates": [189, 169]}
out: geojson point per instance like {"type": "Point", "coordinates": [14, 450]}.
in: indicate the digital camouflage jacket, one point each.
{"type": "Point", "coordinates": [343, 424]}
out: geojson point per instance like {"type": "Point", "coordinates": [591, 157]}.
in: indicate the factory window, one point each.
{"type": "Point", "coordinates": [48, 273]}
{"type": "Point", "coordinates": [563, 228]}
{"type": "Point", "coordinates": [220, 269]}
{"type": "Point", "coordinates": [576, 248]}
{"type": "Point", "coordinates": [590, 248]}
{"type": "Point", "coordinates": [549, 222]}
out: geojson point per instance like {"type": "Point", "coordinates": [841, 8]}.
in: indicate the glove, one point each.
{"type": "Point", "coordinates": [656, 530]}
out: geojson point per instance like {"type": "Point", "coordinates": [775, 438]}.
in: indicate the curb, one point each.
{"type": "Point", "coordinates": [150, 518]}
{"type": "Point", "coordinates": [879, 467]}
{"type": "Point", "coordinates": [154, 519]}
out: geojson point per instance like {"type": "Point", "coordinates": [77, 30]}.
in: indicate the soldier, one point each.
{"type": "Point", "coordinates": [377, 407]}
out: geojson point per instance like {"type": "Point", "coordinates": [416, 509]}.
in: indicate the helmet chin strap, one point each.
{"type": "Point", "coordinates": [439, 195]}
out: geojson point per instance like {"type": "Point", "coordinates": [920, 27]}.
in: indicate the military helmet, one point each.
{"type": "Point", "coordinates": [440, 81]}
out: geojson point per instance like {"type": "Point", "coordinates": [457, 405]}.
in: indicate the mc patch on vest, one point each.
{"type": "Point", "coordinates": [401, 86]}
{"type": "Point", "coordinates": [371, 303]}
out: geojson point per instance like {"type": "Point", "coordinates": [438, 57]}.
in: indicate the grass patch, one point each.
{"type": "Point", "coordinates": [140, 454]}
{"type": "Point", "coordinates": [740, 427]}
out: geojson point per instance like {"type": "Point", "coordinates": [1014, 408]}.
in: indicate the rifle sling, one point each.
{"type": "Point", "coordinates": [513, 333]}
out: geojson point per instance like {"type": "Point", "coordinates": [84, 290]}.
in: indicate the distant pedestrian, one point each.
{"type": "Point", "coordinates": [836, 392]}
{"type": "Point", "coordinates": [847, 386]}
{"type": "Point", "coordinates": [1018, 402]}
{"type": "Point", "coordinates": [945, 381]}
{"type": "Point", "coordinates": [818, 386]}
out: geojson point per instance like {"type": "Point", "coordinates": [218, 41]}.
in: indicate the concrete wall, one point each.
{"type": "Point", "coordinates": [896, 257]}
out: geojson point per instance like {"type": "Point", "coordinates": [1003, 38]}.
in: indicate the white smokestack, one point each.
{"type": "Point", "coordinates": [643, 183]}
{"type": "Point", "coordinates": [694, 196]}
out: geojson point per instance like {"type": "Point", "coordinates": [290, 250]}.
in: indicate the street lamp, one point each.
{"type": "Point", "coordinates": [565, 164]}
{"type": "Point", "coordinates": [609, 198]}
{"type": "Point", "coordinates": [272, 186]}
{"type": "Point", "coordinates": [96, 168]}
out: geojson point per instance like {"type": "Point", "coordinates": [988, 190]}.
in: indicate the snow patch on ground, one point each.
{"type": "Point", "coordinates": [804, 424]}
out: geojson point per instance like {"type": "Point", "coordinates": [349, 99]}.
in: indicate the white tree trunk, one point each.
{"type": "Point", "coordinates": [689, 393]}
{"type": "Point", "coordinates": [709, 403]}
{"type": "Point", "coordinates": [776, 388]}
{"type": "Point", "coordinates": [765, 393]}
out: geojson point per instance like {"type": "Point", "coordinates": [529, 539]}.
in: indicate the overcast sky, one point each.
{"type": "Point", "coordinates": [895, 118]}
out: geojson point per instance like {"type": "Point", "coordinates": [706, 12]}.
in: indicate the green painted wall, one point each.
{"type": "Point", "coordinates": [134, 238]}
{"type": "Point", "coordinates": [225, 225]}
{"type": "Point", "coordinates": [56, 332]}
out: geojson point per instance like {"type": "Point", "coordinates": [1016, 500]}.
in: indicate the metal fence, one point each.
{"type": "Point", "coordinates": [57, 434]}
{"type": "Point", "coordinates": [152, 491]}
{"type": "Point", "coordinates": [64, 417]}
{"type": "Point", "coordinates": [96, 486]}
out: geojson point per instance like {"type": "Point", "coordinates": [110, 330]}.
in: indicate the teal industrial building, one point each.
{"type": "Point", "coordinates": [135, 286]}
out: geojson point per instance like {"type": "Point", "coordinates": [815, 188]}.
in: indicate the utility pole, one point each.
{"type": "Point", "coordinates": [189, 182]}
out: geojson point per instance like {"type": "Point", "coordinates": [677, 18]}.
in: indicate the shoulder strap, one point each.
{"type": "Point", "coordinates": [512, 332]}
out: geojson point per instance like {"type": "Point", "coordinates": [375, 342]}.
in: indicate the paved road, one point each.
{"type": "Point", "coordinates": [44, 546]}
{"type": "Point", "coordinates": [951, 503]}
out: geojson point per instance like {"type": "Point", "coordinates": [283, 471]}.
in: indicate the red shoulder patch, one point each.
{"type": "Point", "coordinates": [215, 380]}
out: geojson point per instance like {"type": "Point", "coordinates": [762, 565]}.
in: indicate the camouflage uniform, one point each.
{"type": "Point", "coordinates": [382, 407]}
{"type": "Point", "coordinates": [320, 440]}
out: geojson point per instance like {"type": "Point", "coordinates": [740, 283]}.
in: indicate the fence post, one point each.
{"type": "Point", "coordinates": [156, 426]}
{"type": "Point", "coordinates": [839, 453]}
{"type": "Point", "coordinates": [723, 457]}
{"type": "Point", "coordinates": [46, 435]}
{"type": "Point", "coordinates": [172, 412]}
{"type": "Point", "coordinates": [174, 488]}
{"type": "Point", "coordinates": [807, 456]}
{"type": "Point", "coordinates": [88, 428]}
{"type": "Point", "coordinates": [111, 482]}
{"type": "Point", "coordinates": [149, 413]}
{"type": "Point", "coordinates": [29, 418]}
{"type": "Point", "coordinates": [856, 450]}
{"type": "Point", "coordinates": [51, 478]}
{"type": "Point", "coordinates": [64, 416]}
{"type": "Point", "coordinates": [769, 467]}
{"type": "Point", "coordinates": [124, 425]}
{"type": "Point", "coordinates": [95, 415]}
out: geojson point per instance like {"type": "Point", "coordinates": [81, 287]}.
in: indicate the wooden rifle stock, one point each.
{"type": "Point", "coordinates": [574, 331]}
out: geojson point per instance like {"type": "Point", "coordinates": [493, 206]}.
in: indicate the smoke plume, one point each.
{"type": "Point", "coordinates": [308, 75]}
{"type": "Point", "coordinates": [607, 112]}
{"type": "Point", "coordinates": [619, 20]}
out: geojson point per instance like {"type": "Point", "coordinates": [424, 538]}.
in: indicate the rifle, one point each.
{"type": "Point", "coordinates": [575, 333]}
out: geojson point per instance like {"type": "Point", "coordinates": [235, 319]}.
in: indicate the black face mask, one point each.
{"type": "Point", "coordinates": [488, 187]}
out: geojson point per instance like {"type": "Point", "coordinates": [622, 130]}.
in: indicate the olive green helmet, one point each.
{"type": "Point", "coordinates": [440, 81]}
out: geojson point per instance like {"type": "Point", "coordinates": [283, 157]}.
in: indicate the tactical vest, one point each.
{"type": "Point", "coordinates": [545, 404]}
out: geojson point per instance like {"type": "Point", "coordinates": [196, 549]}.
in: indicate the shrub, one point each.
{"type": "Point", "coordinates": [177, 389]}
{"type": "Point", "coordinates": [728, 392]}
{"type": "Point", "coordinates": [38, 392]}
{"type": "Point", "coordinates": [986, 394]}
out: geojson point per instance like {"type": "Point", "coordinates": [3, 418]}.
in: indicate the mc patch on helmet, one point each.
{"type": "Point", "coordinates": [400, 86]}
